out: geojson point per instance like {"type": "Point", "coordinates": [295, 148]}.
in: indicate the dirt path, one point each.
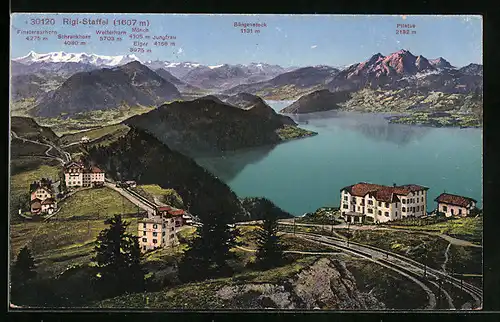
{"type": "Point", "coordinates": [446, 257]}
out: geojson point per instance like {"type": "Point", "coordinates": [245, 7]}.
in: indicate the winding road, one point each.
{"type": "Point", "coordinates": [66, 155]}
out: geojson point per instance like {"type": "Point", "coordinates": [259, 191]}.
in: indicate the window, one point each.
{"type": "Point", "coordinates": [386, 214]}
{"type": "Point", "coordinates": [387, 205]}
{"type": "Point", "coordinates": [172, 229]}
{"type": "Point", "coordinates": [143, 247]}
{"type": "Point", "coordinates": [345, 206]}
{"type": "Point", "coordinates": [164, 225]}
{"type": "Point", "coordinates": [346, 198]}
{"type": "Point", "coordinates": [370, 202]}
{"type": "Point", "coordinates": [143, 233]}
{"type": "Point", "coordinates": [396, 213]}
{"type": "Point", "coordinates": [155, 241]}
{"type": "Point", "coordinates": [380, 213]}
{"type": "Point", "coordinates": [445, 208]}
{"type": "Point", "coordinates": [144, 239]}
{"type": "Point", "coordinates": [380, 204]}
{"type": "Point", "coordinates": [460, 211]}
{"type": "Point", "coordinates": [413, 209]}
{"type": "Point", "coordinates": [155, 234]}
{"type": "Point", "coordinates": [418, 208]}
{"type": "Point", "coordinates": [172, 236]}
{"type": "Point", "coordinates": [370, 211]}
{"type": "Point", "coordinates": [422, 199]}
{"type": "Point", "coordinates": [403, 209]}
{"type": "Point", "coordinates": [155, 226]}
{"type": "Point", "coordinates": [144, 225]}
{"type": "Point", "coordinates": [163, 234]}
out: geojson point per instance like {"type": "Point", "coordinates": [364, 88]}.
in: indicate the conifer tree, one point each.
{"type": "Point", "coordinates": [22, 275]}
{"type": "Point", "coordinates": [270, 249]}
{"type": "Point", "coordinates": [118, 259]}
{"type": "Point", "coordinates": [23, 269]}
{"type": "Point", "coordinates": [208, 254]}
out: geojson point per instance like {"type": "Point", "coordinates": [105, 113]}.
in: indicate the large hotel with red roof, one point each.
{"type": "Point", "coordinates": [367, 202]}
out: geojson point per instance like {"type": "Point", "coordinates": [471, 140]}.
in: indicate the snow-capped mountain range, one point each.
{"type": "Point", "coordinates": [84, 58]}
{"type": "Point", "coordinates": [54, 60]}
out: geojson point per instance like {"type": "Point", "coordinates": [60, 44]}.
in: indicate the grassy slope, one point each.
{"type": "Point", "coordinates": [93, 119]}
{"type": "Point", "coordinates": [18, 149]}
{"type": "Point", "coordinates": [28, 128]}
{"type": "Point", "coordinates": [20, 182]}
{"type": "Point", "coordinates": [150, 191]}
{"type": "Point", "coordinates": [420, 247]}
{"type": "Point", "coordinates": [88, 204]}
{"type": "Point", "coordinates": [57, 244]}
{"type": "Point", "coordinates": [470, 228]}
{"type": "Point", "coordinates": [111, 130]}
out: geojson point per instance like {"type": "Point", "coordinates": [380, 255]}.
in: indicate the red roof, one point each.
{"type": "Point", "coordinates": [455, 200]}
{"type": "Point", "coordinates": [171, 210]}
{"type": "Point", "coordinates": [95, 169]}
{"type": "Point", "coordinates": [177, 212]}
{"type": "Point", "coordinates": [380, 192]}
{"type": "Point", "coordinates": [48, 201]}
{"type": "Point", "coordinates": [165, 208]}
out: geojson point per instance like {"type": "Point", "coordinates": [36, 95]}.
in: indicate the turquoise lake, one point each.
{"type": "Point", "coordinates": [303, 175]}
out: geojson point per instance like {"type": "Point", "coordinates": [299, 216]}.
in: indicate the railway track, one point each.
{"type": "Point", "coordinates": [141, 198]}
{"type": "Point", "coordinates": [417, 272]}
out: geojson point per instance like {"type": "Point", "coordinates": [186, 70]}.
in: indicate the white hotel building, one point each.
{"type": "Point", "coordinates": [367, 202]}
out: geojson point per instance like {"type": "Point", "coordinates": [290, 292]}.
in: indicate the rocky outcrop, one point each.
{"type": "Point", "coordinates": [327, 284]}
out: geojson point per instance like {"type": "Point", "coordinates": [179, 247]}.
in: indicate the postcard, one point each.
{"type": "Point", "coordinates": [201, 162]}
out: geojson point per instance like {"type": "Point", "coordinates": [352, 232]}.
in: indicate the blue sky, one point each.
{"type": "Point", "coordinates": [287, 40]}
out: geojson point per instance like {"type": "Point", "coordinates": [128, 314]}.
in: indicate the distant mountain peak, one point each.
{"type": "Point", "coordinates": [403, 52]}
{"type": "Point", "coordinates": [440, 62]}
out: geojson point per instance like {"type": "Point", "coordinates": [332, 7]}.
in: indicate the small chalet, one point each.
{"type": "Point", "coordinates": [455, 205]}
{"type": "Point", "coordinates": [42, 195]}
{"type": "Point", "coordinates": [41, 189]}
